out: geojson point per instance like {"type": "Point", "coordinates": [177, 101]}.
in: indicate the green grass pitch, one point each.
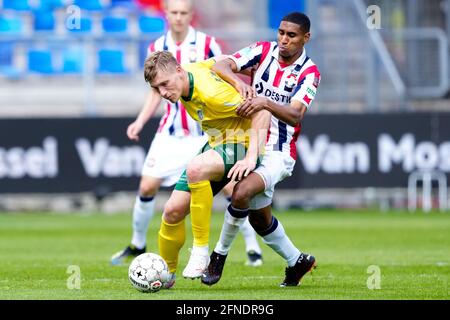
{"type": "Point", "coordinates": [412, 252]}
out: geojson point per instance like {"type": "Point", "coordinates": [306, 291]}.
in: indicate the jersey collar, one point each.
{"type": "Point", "coordinates": [190, 37]}
{"type": "Point", "coordinates": [191, 88]}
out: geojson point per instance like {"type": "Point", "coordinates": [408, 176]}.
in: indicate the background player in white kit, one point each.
{"type": "Point", "coordinates": [178, 138]}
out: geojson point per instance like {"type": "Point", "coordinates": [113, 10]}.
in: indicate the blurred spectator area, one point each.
{"type": "Point", "coordinates": [85, 57]}
{"type": "Point", "coordinates": [75, 57]}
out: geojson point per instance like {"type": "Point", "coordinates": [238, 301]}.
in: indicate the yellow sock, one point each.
{"type": "Point", "coordinates": [171, 238]}
{"type": "Point", "coordinates": [201, 206]}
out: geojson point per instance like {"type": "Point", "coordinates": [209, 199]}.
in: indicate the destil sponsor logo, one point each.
{"type": "Point", "coordinates": [273, 95]}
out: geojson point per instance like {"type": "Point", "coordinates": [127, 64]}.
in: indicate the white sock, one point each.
{"type": "Point", "coordinates": [142, 214]}
{"type": "Point", "coordinates": [201, 251]}
{"type": "Point", "coordinates": [230, 229]}
{"type": "Point", "coordinates": [251, 244]}
{"type": "Point", "coordinates": [280, 243]}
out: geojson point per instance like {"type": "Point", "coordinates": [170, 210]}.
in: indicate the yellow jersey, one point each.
{"type": "Point", "coordinates": [213, 103]}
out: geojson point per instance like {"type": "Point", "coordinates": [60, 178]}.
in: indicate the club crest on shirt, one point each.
{"type": "Point", "coordinates": [291, 79]}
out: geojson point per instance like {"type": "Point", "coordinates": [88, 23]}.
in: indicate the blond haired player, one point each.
{"type": "Point", "coordinates": [231, 152]}
{"type": "Point", "coordinates": [178, 137]}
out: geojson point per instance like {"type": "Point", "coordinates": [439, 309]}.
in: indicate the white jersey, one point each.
{"type": "Point", "coordinates": [196, 47]}
{"type": "Point", "coordinates": [298, 81]}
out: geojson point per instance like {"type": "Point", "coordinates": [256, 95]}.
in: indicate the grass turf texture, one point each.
{"type": "Point", "coordinates": [411, 250]}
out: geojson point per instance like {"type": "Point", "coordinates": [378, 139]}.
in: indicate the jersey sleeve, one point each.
{"type": "Point", "coordinates": [251, 55]}
{"type": "Point", "coordinates": [309, 82]}
{"type": "Point", "coordinates": [156, 45]}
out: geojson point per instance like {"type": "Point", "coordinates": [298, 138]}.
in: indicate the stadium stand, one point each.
{"type": "Point", "coordinates": [104, 25]}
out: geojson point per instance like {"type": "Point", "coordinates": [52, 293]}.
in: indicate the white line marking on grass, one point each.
{"type": "Point", "coordinates": [102, 280]}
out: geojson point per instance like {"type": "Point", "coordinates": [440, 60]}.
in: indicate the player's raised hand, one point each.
{"type": "Point", "coordinates": [133, 131]}
{"type": "Point", "coordinates": [241, 169]}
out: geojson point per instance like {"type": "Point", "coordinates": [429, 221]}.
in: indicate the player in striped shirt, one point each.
{"type": "Point", "coordinates": [285, 82]}
{"type": "Point", "coordinates": [178, 138]}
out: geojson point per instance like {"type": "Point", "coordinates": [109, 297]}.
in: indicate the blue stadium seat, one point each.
{"type": "Point", "coordinates": [128, 4]}
{"type": "Point", "coordinates": [73, 60]}
{"type": "Point", "coordinates": [115, 24]}
{"type": "Point", "coordinates": [40, 61]}
{"type": "Point", "coordinates": [111, 61]}
{"type": "Point", "coordinates": [51, 4]}
{"type": "Point", "coordinates": [44, 20]}
{"type": "Point", "coordinates": [149, 24]}
{"type": "Point", "coordinates": [19, 5]}
{"type": "Point", "coordinates": [115, 3]}
{"type": "Point", "coordinates": [11, 25]}
{"type": "Point", "coordinates": [89, 4]}
{"type": "Point", "coordinates": [277, 9]}
{"type": "Point", "coordinates": [85, 25]}
{"type": "Point", "coordinates": [7, 67]}
{"type": "Point", "coordinates": [6, 53]}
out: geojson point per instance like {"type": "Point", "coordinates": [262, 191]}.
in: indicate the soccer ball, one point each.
{"type": "Point", "coordinates": [148, 272]}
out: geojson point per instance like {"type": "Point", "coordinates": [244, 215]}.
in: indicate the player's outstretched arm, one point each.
{"type": "Point", "coordinates": [227, 69]}
{"type": "Point", "coordinates": [152, 101]}
{"type": "Point", "coordinates": [292, 115]}
{"type": "Point", "coordinates": [258, 135]}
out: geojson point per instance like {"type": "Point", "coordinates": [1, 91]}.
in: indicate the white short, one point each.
{"type": "Point", "coordinates": [169, 156]}
{"type": "Point", "coordinates": [274, 167]}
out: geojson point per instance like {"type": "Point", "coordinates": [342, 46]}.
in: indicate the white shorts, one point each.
{"type": "Point", "coordinates": [274, 167]}
{"type": "Point", "coordinates": [169, 156]}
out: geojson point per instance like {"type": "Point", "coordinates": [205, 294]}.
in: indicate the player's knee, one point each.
{"type": "Point", "coordinates": [173, 213]}
{"type": "Point", "coordinates": [241, 196]}
{"type": "Point", "coordinates": [194, 172]}
{"type": "Point", "coordinates": [147, 189]}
